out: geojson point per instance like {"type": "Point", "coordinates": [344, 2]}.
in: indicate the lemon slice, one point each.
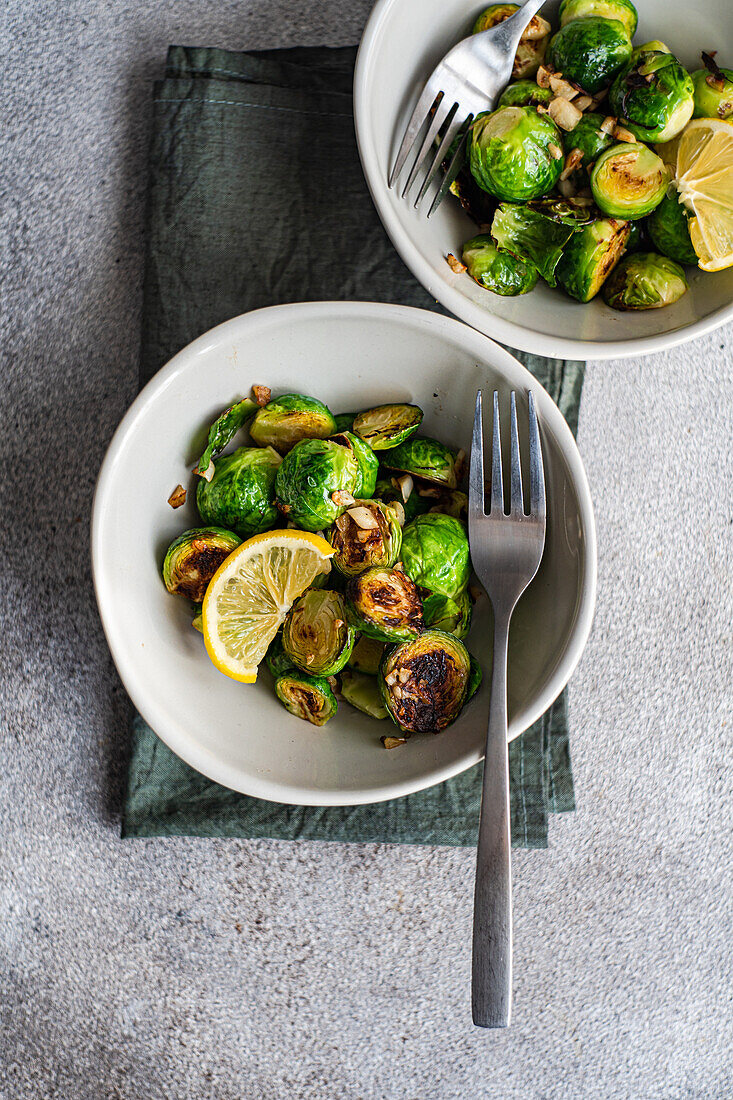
{"type": "Point", "coordinates": [704, 170]}
{"type": "Point", "coordinates": [251, 593]}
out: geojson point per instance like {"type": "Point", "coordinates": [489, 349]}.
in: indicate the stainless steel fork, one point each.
{"type": "Point", "coordinates": [506, 550]}
{"type": "Point", "coordinates": [466, 82]}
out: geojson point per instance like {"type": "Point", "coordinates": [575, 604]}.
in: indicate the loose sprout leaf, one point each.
{"type": "Point", "coordinates": [531, 237]}
{"type": "Point", "coordinates": [221, 433]}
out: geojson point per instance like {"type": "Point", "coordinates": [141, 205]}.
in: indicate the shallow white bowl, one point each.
{"type": "Point", "coordinates": [402, 43]}
{"type": "Point", "coordinates": [352, 355]}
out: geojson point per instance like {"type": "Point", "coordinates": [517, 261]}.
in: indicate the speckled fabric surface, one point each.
{"type": "Point", "coordinates": [173, 968]}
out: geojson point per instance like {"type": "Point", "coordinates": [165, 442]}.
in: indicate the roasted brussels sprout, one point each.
{"type": "Point", "coordinates": [669, 230]}
{"type": "Point", "coordinates": [366, 460]}
{"type": "Point", "coordinates": [654, 95]}
{"type": "Point", "coordinates": [525, 93]}
{"type": "Point", "coordinates": [533, 44]}
{"type": "Point", "coordinates": [344, 422]}
{"type": "Point", "coordinates": [241, 494]}
{"type": "Point", "coordinates": [384, 604]}
{"type": "Point", "coordinates": [644, 280]}
{"type": "Point", "coordinates": [590, 51]}
{"type": "Point", "coordinates": [287, 419]}
{"type": "Point", "coordinates": [622, 10]}
{"type": "Point", "coordinates": [221, 433]}
{"type": "Point", "coordinates": [451, 615]}
{"type": "Point", "coordinates": [366, 534]}
{"type": "Point", "coordinates": [713, 90]}
{"type": "Point", "coordinates": [316, 636]}
{"type": "Point", "coordinates": [363, 693]}
{"type": "Point", "coordinates": [276, 658]}
{"type": "Point", "coordinates": [531, 236]}
{"type": "Point", "coordinates": [425, 458]}
{"type": "Point", "coordinates": [510, 155]}
{"type": "Point", "coordinates": [192, 559]}
{"type": "Point", "coordinates": [590, 255]}
{"type": "Point", "coordinates": [638, 236]}
{"type": "Point", "coordinates": [310, 476]}
{"type": "Point", "coordinates": [424, 682]}
{"type": "Point", "coordinates": [435, 554]}
{"type": "Point", "coordinates": [452, 503]}
{"type": "Point", "coordinates": [388, 490]}
{"type": "Point", "coordinates": [476, 202]}
{"type": "Point", "coordinates": [387, 426]}
{"type": "Point", "coordinates": [305, 696]}
{"type": "Point", "coordinates": [497, 271]}
{"type": "Point", "coordinates": [628, 181]}
{"type": "Point", "coordinates": [655, 46]}
{"type": "Point", "coordinates": [366, 656]}
{"type": "Point", "coordinates": [588, 137]}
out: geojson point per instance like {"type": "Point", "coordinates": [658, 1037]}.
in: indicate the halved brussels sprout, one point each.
{"type": "Point", "coordinates": [387, 426]}
{"type": "Point", "coordinates": [510, 155]}
{"type": "Point", "coordinates": [525, 93]}
{"type": "Point", "coordinates": [316, 636]}
{"type": "Point", "coordinates": [654, 95]}
{"type": "Point", "coordinates": [590, 51]}
{"type": "Point", "coordinates": [363, 693]}
{"type": "Point", "coordinates": [532, 237]}
{"type": "Point", "coordinates": [366, 534]}
{"type": "Point", "coordinates": [533, 43]}
{"type": "Point", "coordinates": [475, 677]}
{"type": "Point", "coordinates": [366, 656]}
{"type": "Point", "coordinates": [622, 10]}
{"type": "Point", "coordinates": [497, 271]}
{"type": "Point", "coordinates": [307, 697]}
{"type": "Point", "coordinates": [424, 682]}
{"type": "Point", "coordinates": [644, 280]}
{"type": "Point", "coordinates": [450, 615]}
{"type": "Point", "coordinates": [590, 255]}
{"type": "Point", "coordinates": [388, 490]}
{"type": "Point", "coordinates": [241, 494]}
{"type": "Point", "coordinates": [366, 460]}
{"type": "Point", "coordinates": [588, 137]}
{"type": "Point", "coordinates": [221, 433]}
{"type": "Point", "coordinates": [435, 554]}
{"type": "Point", "coordinates": [384, 604]}
{"type": "Point", "coordinates": [344, 422]}
{"type": "Point", "coordinates": [310, 476]}
{"type": "Point", "coordinates": [276, 658]}
{"type": "Point", "coordinates": [425, 458]}
{"type": "Point", "coordinates": [628, 181]}
{"type": "Point", "coordinates": [287, 419]}
{"type": "Point", "coordinates": [669, 230]}
{"type": "Point", "coordinates": [192, 559]}
{"type": "Point", "coordinates": [713, 90]}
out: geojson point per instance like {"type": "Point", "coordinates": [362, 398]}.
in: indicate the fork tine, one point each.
{"type": "Point", "coordinates": [516, 497]}
{"type": "Point", "coordinates": [497, 481]}
{"type": "Point", "coordinates": [537, 505]}
{"type": "Point", "coordinates": [452, 129]}
{"type": "Point", "coordinates": [441, 113]}
{"type": "Point", "coordinates": [453, 169]}
{"type": "Point", "coordinates": [476, 497]}
{"type": "Point", "coordinates": [414, 126]}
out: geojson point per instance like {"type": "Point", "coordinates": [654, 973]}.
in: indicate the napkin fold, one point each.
{"type": "Point", "coordinates": [257, 197]}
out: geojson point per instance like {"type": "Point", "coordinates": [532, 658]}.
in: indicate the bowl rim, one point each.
{"type": "Point", "coordinates": [509, 332]}
{"type": "Point", "coordinates": [153, 710]}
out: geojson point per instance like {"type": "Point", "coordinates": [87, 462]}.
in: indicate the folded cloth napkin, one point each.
{"type": "Point", "coordinates": [256, 198]}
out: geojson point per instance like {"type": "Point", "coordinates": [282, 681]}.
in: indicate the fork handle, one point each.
{"type": "Point", "coordinates": [492, 911]}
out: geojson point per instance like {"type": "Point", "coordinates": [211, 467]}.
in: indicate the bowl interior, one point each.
{"type": "Point", "coordinates": [403, 42]}
{"type": "Point", "coordinates": [352, 356]}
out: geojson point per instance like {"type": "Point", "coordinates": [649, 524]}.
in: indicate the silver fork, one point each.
{"type": "Point", "coordinates": [506, 550]}
{"type": "Point", "coordinates": [466, 82]}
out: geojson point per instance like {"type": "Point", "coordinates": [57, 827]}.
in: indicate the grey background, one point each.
{"type": "Point", "coordinates": [260, 969]}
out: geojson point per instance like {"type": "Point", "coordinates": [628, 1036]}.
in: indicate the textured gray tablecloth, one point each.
{"type": "Point", "coordinates": [238, 970]}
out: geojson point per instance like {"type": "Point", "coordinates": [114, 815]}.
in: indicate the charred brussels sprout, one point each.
{"type": "Point", "coordinates": [622, 10]}
{"type": "Point", "coordinates": [424, 682]}
{"type": "Point", "coordinates": [590, 255]}
{"type": "Point", "coordinates": [451, 616]}
{"type": "Point", "coordinates": [221, 433]}
{"type": "Point", "coordinates": [363, 692]}
{"type": "Point", "coordinates": [644, 280]}
{"type": "Point", "coordinates": [384, 604]}
{"type": "Point", "coordinates": [497, 271]}
{"type": "Point", "coordinates": [525, 93]}
{"type": "Point", "coordinates": [194, 557]}
{"type": "Point", "coordinates": [590, 51]}
{"type": "Point", "coordinates": [241, 494]}
{"type": "Point", "coordinates": [316, 636]}
{"type": "Point", "coordinates": [366, 656]}
{"type": "Point", "coordinates": [435, 554]}
{"type": "Point", "coordinates": [290, 418]}
{"type": "Point", "coordinates": [276, 658]}
{"type": "Point", "coordinates": [387, 426]}
{"type": "Point", "coordinates": [628, 181]}
{"type": "Point", "coordinates": [531, 237]}
{"type": "Point", "coordinates": [533, 44]}
{"type": "Point", "coordinates": [310, 476]}
{"type": "Point", "coordinates": [669, 231]}
{"type": "Point", "coordinates": [307, 697]}
{"type": "Point", "coordinates": [588, 137]}
{"type": "Point", "coordinates": [425, 458]}
{"type": "Point", "coordinates": [510, 155]}
{"type": "Point", "coordinates": [366, 534]}
{"type": "Point", "coordinates": [366, 460]}
{"type": "Point", "coordinates": [654, 95]}
{"type": "Point", "coordinates": [713, 91]}
{"type": "Point", "coordinates": [344, 422]}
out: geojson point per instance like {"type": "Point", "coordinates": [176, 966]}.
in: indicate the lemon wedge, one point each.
{"type": "Point", "coordinates": [704, 180]}
{"type": "Point", "coordinates": [251, 593]}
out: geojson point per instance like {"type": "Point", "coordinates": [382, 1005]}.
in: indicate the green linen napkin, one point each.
{"type": "Point", "coordinates": [256, 198]}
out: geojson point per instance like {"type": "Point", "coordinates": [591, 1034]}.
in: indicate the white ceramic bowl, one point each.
{"type": "Point", "coordinates": [352, 355]}
{"type": "Point", "coordinates": [402, 43]}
